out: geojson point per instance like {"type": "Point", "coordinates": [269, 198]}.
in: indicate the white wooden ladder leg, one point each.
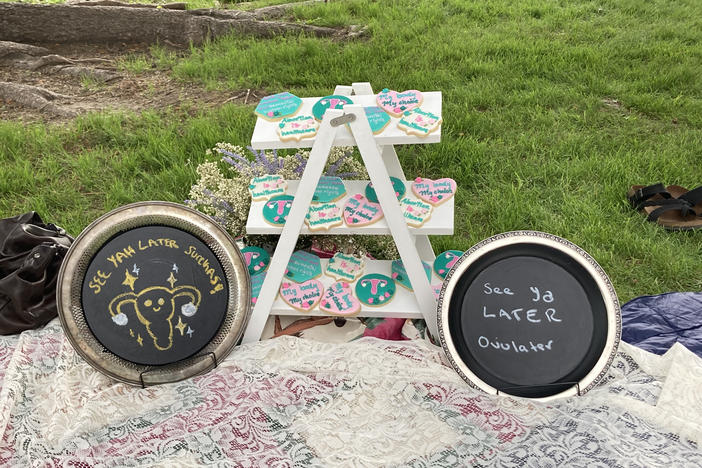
{"type": "Point", "coordinates": [291, 231]}
{"type": "Point", "coordinates": [404, 241]}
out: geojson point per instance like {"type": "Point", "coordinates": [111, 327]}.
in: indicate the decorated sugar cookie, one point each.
{"type": "Point", "coordinates": [378, 119]}
{"type": "Point", "coordinates": [267, 186]}
{"type": "Point", "coordinates": [324, 216]}
{"type": "Point", "coordinates": [256, 258]}
{"type": "Point", "coordinates": [276, 210]}
{"type": "Point", "coordinates": [277, 106]}
{"type": "Point", "coordinates": [396, 104]}
{"type": "Point", "coordinates": [256, 284]}
{"type": "Point", "coordinates": [338, 299]}
{"type": "Point", "coordinates": [345, 267]}
{"type": "Point", "coordinates": [329, 189]}
{"type": "Point", "coordinates": [375, 289]}
{"type": "Point", "coordinates": [302, 296]}
{"type": "Point", "coordinates": [303, 266]}
{"type": "Point", "coordinates": [436, 290]}
{"type": "Point", "coordinates": [434, 191]}
{"type": "Point", "coordinates": [402, 278]}
{"type": "Point", "coordinates": [359, 211]}
{"type": "Point", "coordinates": [334, 101]}
{"type": "Point", "coordinates": [397, 185]}
{"type": "Point", "coordinates": [419, 122]}
{"type": "Point", "coordinates": [445, 261]}
{"type": "Point", "coordinates": [298, 127]}
{"type": "Point", "coordinates": [415, 212]}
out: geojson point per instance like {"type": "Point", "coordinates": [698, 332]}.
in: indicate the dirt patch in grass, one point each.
{"type": "Point", "coordinates": [148, 89]}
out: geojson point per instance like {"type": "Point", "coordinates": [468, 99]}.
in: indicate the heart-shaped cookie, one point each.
{"type": "Point", "coordinates": [396, 104]}
{"type": "Point", "coordinates": [415, 212]}
{"type": "Point", "coordinates": [302, 296]}
{"type": "Point", "coordinates": [359, 211]}
{"type": "Point", "coordinates": [338, 299]}
{"type": "Point", "coordinates": [435, 192]}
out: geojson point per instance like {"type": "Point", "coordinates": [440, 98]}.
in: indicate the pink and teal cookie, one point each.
{"type": "Point", "coordinates": [375, 289]}
{"type": "Point", "coordinates": [303, 266]}
{"type": "Point", "coordinates": [436, 191]}
{"type": "Point", "coordinates": [302, 296]}
{"type": "Point", "coordinates": [359, 211]}
{"type": "Point", "coordinates": [338, 299]}
{"type": "Point", "coordinates": [396, 104]}
{"type": "Point", "coordinates": [257, 259]}
{"type": "Point", "coordinates": [419, 122]}
{"type": "Point", "coordinates": [276, 210]}
{"type": "Point", "coordinates": [277, 106]}
{"type": "Point", "coordinates": [397, 185]}
{"type": "Point", "coordinates": [256, 284]}
{"type": "Point", "coordinates": [334, 101]}
{"type": "Point", "coordinates": [399, 274]}
{"type": "Point", "coordinates": [445, 261]}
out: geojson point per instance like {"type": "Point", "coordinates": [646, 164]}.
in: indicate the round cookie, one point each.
{"type": "Point", "coordinates": [375, 289]}
{"type": "Point", "coordinates": [397, 185]}
{"type": "Point", "coordinates": [298, 127]}
{"type": "Point", "coordinates": [445, 261]}
{"type": "Point", "coordinates": [396, 104]}
{"type": "Point", "coordinates": [419, 122]}
{"type": "Point", "coordinates": [277, 106]}
{"type": "Point", "coordinates": [399, 274]}
{"type": "Point", "coordinates": [257, 259]}
{"type": "Point", "coordinates": [338, 299]}
{"type": "Point", "coordinates": [334, 101]}
{"type": "Point", "coordinates": [276, 210]}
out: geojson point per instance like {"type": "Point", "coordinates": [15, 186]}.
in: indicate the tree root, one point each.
{"type": "Point", "coordinates": [39, 59]}
{"type": "Point", "coordinates": [34, 97]}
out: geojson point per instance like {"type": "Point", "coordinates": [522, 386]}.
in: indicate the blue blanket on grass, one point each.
{"type": "Point", "coordinates": [655, 323]}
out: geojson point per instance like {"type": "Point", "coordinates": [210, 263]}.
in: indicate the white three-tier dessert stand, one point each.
{"type": "Point", "coordinates": [381, 161]}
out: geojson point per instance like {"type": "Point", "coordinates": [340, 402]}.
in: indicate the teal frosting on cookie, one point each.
{"type": "Point", "coordinates": [257, 259]}
{"type": "Point", "coordinates": [445, 261]}
{"type": "Point", "coordinates": [400, 275]}
{"type": "Point", "coordinates": [397, 185]}
{"type": "Point", "coordinates": [329, 189]}
{"type": "Point", "coordinates": [334, 101]}
{"type": "Point", "coordinates": [375, 289]}
{"type": "Point", "coordinates": [276, 210]}
{"type": "Point", "coordinates": [303, 266]}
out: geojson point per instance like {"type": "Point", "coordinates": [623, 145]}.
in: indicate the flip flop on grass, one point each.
{"type": "Point", "coordinates": [673, 207]}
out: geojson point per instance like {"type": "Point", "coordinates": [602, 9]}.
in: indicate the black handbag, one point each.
{"type": "Point", "coordinates": [31, 253]}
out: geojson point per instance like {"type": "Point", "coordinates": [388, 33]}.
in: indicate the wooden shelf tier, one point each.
{"type": "Point", "coordinates": [440, 223]}
{"type": "Point", "coordinates": [403, 304]}
{"type": "Point", "coordinates": [265, 134]}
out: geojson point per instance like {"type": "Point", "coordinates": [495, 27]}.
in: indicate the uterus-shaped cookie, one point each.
{"type": "Point", "coordinates": [155, 308]}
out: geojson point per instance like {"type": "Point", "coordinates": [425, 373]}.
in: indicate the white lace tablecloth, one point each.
{"type": "Point", "coordinates": [295, 402]}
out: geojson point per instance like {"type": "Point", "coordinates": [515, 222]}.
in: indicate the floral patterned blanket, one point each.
{"type": "Point", "coordinates": [296, 402]}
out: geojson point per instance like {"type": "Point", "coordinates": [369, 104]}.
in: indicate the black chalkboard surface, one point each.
{"type": "Point", "coordinates": [154, 295]}
{"type": "Point", "coordinates": [528, 314]}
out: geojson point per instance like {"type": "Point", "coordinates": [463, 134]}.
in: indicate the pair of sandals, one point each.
{"type": "Point", "coordinates": [673, 207]}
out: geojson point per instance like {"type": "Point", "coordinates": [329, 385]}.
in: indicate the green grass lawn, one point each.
{"type": "Point", "coordinates": [551, 111]}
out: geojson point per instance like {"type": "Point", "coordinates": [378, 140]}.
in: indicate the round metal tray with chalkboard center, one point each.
{"type": "Point", "coordinates": [153, 292]}
{"type": "Point", "coordinates": [529, 314]}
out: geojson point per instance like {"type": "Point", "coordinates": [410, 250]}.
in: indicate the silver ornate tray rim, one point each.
{"type": "Point", "coordinates": [93, 237]}
{"type": "Point", "coordinates": [613, 309]}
